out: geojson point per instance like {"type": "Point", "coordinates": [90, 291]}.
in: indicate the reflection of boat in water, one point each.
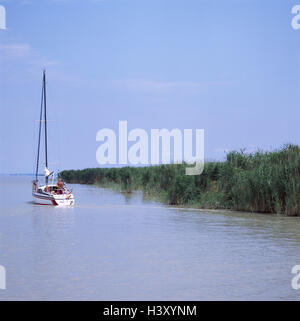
{"type": "Point", "coordinates": [48, 194]}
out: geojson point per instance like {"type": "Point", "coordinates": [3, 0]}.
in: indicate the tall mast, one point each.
{"type": "Point", "coordinates": [39, 141]}
{"type": "Point", "coordinates": [45, 109]}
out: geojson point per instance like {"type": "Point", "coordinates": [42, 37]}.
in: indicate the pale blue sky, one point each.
{"type": "Point", "coordinates": [230, 67]}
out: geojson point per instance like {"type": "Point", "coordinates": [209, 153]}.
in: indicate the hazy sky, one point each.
{"type": "Point", "coordinates": [231, 67]}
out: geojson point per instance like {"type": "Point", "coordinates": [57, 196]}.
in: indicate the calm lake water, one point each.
{"type": "Point", "coordinates": [113, 246]}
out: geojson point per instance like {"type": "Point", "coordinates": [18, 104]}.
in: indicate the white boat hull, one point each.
{"type": "Point", "coordinates": [53, 200]}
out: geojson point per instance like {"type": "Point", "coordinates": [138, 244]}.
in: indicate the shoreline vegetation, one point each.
{"type": "Point", "coordinates": [263, 182]}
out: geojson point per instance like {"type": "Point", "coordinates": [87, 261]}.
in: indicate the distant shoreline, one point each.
{"type": "Point", "coordinates": [20, 174]}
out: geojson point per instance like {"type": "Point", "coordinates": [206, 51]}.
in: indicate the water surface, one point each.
{"type": "Point", "coordinates": [113, 246]}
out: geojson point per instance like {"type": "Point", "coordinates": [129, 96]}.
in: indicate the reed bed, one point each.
{"type": "Point", "coordinates": [266, 182]}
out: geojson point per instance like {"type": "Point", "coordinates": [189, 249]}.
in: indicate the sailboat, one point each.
{"type": "Point", "coordinates": [48, 194]}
